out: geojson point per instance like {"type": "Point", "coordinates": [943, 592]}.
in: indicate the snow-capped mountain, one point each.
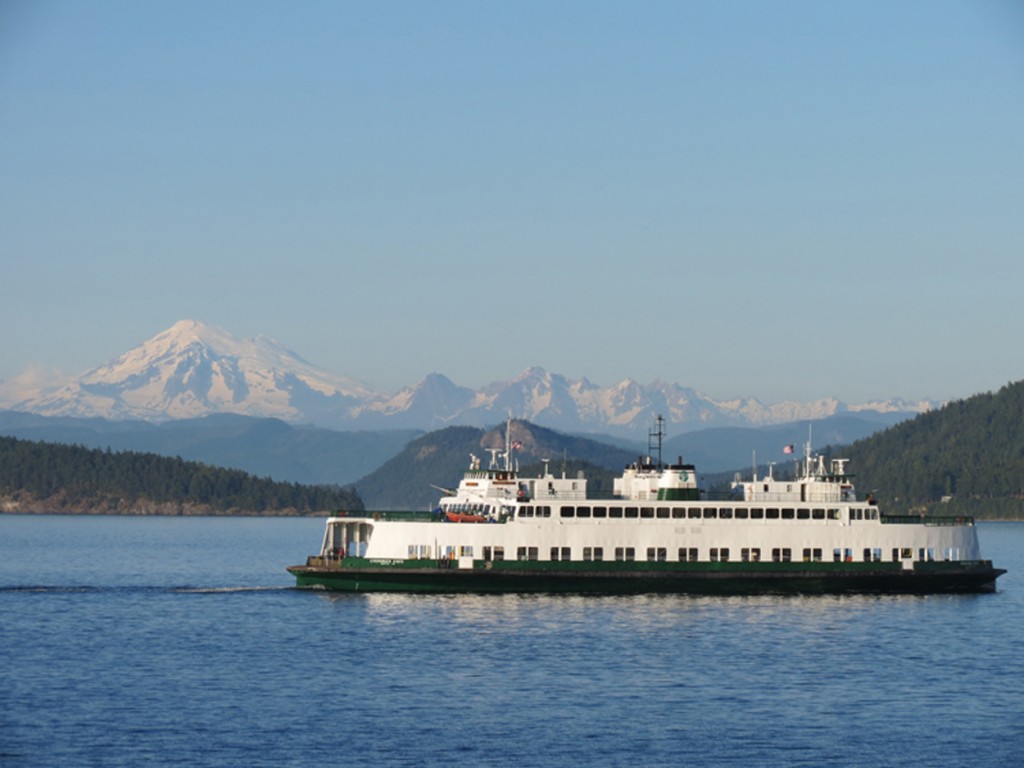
{"type": "Point", "coordinates": [193, 369]}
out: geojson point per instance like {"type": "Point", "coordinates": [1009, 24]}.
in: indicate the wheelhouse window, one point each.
{"type": "Point", "coordinates": [647, 512]}
{"type": "Point", "coordinates": [632, 512]}
{"type": "Point", "coordinates": [756, 513]}
{"type": "Point", "coordinates": [693, 513]}
{"type": "Point", "coordinates": [582, 511]}
{"type": "Point", "coordinates": [600, 511]}
{"type": "Point", "coordinates": [742, 513]}
{"type": "Point", "coordinates": [662, 513]}
{"type": "Point", "coordinates": [771, 514]}
{"type": "Point", "coordinates": [614, 511]}
{"type": "Point", "coordinates": [710, 513]}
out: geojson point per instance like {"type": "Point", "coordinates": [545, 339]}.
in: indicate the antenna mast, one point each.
{"type": "Point", "coordinates": [654, 438]}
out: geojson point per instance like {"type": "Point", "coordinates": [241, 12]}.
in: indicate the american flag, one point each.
{"type": "Point", "coordinates": [788, 449]}
{"type": "Point", "coordinates": [516, 445]}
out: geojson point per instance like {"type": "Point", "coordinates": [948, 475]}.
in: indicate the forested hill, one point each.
{"type": "Point", "coordinates": [410, 480]}
{"type": "Point", "coordinates": [48, 477]}
{"type": "Point", "coordinates": [970, 453]}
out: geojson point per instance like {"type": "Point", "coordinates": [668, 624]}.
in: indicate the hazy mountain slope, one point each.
{"type": "Point", "coordinates": [263, 447]}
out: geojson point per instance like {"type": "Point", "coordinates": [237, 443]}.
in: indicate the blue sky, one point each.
{"type": "Point", "coordinates": [785, 200]}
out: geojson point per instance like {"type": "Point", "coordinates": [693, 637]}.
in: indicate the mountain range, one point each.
{"type": "Point", "coordinates": [193, 370]}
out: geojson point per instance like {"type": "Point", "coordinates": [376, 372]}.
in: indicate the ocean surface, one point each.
{"type": "Point", "coordinates": [131, 641]}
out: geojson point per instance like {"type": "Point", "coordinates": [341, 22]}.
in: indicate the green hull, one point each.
{"type": "Point", "coordinates": [618, 578]}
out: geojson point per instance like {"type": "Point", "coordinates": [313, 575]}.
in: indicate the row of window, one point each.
{"type": "Point", "coordinates": [688, 554]}
{"type": "Point", "coordinates": [708, 513]}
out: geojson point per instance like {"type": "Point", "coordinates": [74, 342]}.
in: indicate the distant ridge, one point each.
{"type": "Point", "coordinates": [193, 369]}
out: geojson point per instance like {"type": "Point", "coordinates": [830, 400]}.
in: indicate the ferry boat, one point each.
{"type": "Point", "coordinates": [499, 532]}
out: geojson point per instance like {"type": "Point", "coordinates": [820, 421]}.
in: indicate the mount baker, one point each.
{"type": "Point", "coordinates": [193, 369]}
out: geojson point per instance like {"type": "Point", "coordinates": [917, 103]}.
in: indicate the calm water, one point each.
{"type": "Point", "coordinates": [159, 641]}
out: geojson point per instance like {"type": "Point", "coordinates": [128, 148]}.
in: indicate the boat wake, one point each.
{"type": "Point", "coordinates": [84, 589]}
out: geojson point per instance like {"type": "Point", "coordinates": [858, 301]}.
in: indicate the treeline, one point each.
{"type": "Point", "coordinates": [36, 476]}
{"type": "Point", "coordinates": [964, 458]}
